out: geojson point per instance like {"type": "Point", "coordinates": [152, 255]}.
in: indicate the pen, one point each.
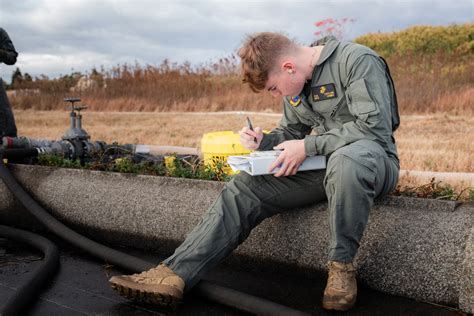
{"type": "Point", "coordinates": [249, 125]}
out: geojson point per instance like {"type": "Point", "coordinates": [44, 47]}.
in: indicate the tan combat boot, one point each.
{"type": "Point", "coordinates": [159, 285]}
{"type": "Point", "coordinates": [341, 290]}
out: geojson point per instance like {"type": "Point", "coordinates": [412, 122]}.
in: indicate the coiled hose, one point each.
{"type": "Point", "coordinates": [208, 290]}
{"type": "Point", "coordinates": [27, 292]}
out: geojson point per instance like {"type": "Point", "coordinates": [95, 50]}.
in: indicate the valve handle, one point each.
{"type": "Point", "coordinates": [80, 107]}
{"type": "Point", "coordinates": [72, 100]}
{"type": "Point", "coordinates": [73, 107]}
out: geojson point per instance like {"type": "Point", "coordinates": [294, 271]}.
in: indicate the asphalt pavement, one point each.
{"type": "Point", "coordinates": [80, 288]}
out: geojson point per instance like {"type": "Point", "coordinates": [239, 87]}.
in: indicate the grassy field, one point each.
{"type": "Point", "coordinates": [425, 142]}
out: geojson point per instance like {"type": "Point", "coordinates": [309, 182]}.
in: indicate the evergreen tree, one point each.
{"type": "Point", "coordinates": [17, 78]}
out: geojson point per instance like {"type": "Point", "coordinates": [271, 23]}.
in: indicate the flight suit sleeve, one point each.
{"type": "Point", "coordinates": [290, 127]}
{"type": "Point", "coordinates": [8, 53]}
{"type": "Point", "coordinates": [368, 99]}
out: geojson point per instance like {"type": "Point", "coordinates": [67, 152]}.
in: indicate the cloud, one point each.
{"type": "Point", "coordinates": [53, 37]}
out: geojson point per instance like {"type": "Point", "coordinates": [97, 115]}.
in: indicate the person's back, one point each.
{"type": "Point", "coordinates": [8, 56]}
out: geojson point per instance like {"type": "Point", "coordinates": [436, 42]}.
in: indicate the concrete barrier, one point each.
{"type": "Point", "coordinates": [418, 248]}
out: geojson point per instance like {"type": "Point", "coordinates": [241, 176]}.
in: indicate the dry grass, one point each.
{"type": "Point", "coordinates": [421, 187]}
{"type": "Point", "coordinates": [437, 143]}
{"type": "Point", "coordinates": [425, 142]}
{"type": "Point", "coordinates": [176, 129]}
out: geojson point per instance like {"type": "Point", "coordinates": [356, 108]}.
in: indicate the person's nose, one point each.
{"type": "Point", "coordinates": [275, 93]}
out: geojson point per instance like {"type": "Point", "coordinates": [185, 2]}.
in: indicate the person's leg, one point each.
{"type": "Point", "coordinates": [243, 203]}
{"type": "Point", "coordinates": [7, 120]}
{"type": "Point", "coordinates": [356, 174]}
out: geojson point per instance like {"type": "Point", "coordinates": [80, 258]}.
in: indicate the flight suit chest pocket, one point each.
{"type": "Point", "coordinates": [359, 101]}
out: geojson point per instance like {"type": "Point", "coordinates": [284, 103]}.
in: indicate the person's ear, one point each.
{"type": "Point", "coordinates": [288, 67]}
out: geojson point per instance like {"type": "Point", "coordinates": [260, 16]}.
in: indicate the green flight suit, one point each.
{"type": "Point", "coordinates": [350, 106]}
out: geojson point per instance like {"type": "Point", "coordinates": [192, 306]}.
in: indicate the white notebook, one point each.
{"type": "Point", "coordinates": [257, 162]}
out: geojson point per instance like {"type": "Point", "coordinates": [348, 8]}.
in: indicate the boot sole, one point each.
{"type": "Point", "coordinates": [338, 306]}
{"type": "Point", "coordinates": [164, 295]}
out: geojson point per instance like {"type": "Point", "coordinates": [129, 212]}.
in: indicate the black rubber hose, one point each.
{"type": "Point", "coordinates": [206, 289]}
{"type": "Point", "coordinates": [20, 153]}
{"type": "Point", "coordinates": [27, 292]}
{"type": "Point", "coordinates": [243, 301]}
{"type": "Point", "coordinates": [113, 256]}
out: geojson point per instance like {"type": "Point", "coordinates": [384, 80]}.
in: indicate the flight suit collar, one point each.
{"type": "Point", "coordinates": [330, 44]}
{"type": "Point", "coordinates": [305, 106]}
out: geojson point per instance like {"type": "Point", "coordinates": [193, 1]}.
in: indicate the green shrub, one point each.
{"type": "Point", "coordinates": [58, 161]}
{"type": "Point", "coordinates": [453, 39]}
{"type": "Point", "coordinates": [172, 166]}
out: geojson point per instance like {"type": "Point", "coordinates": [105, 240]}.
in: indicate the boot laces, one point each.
{"type": "Point", "coordinates": [151, 276]}
{"type": "Point", "coordinates": [340, 278]}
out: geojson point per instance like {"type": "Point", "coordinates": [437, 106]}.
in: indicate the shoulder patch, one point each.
{"type": "Point", "coordinates": [295, 101]}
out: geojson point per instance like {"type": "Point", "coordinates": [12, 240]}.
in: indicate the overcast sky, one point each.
{"type": "Point", "coordinates": [55, 37]}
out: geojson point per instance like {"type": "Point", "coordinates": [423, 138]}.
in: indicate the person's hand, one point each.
{"type": "Point", "coordinates": [290, 158]}
{"type": "Point", "coordinates": [247, 137]}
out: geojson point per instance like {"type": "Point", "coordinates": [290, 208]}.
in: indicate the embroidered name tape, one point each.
{"type": "Point", "coordinates": [324, 92]}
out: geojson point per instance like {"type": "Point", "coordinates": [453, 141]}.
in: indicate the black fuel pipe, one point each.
{"type": "Point", "coordinates": [27, 292]}
{"type": "Point", "coordinates": [225, 296]}
{"type": "Point", "coordinates": [18, 154]}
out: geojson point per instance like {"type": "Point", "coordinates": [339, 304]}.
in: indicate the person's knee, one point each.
{"type": "Point", "coordinates": [349, 171]}
{"type": "Point", "coordinates": [240, 193]}
{"type": "Point", "coordinates": [244, 186]}
{"type": "Point", "coordinates": [242, 203]}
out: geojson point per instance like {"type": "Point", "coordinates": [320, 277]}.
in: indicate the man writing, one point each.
{"type": "Point", "coordinates": [339, 101]}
